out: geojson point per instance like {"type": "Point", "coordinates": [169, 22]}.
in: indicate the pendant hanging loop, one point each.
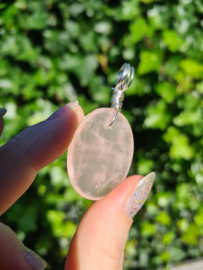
{"type": "Point", "coordinates": [123, 81]}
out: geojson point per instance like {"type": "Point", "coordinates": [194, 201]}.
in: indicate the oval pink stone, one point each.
{"type": "Point", "coordinates": [99, 156]}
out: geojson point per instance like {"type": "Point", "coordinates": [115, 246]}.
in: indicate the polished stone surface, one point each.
{"type": "Point", "coordinates": [99, 157]}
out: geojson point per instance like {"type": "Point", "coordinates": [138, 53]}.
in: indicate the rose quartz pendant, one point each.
{"type": "Point", "coordinates": [100, 154]}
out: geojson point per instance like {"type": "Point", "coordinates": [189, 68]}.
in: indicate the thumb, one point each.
{"type": "Point", "coordinates": [101, 236]}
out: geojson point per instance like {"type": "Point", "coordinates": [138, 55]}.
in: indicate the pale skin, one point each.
{"type": "Point", "coordinates": [102, 232]}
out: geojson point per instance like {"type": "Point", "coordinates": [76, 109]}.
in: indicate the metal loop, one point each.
{"type": "Point", "coordinates": [125, 73]}
{"type": "Point", "coordinates": [123, 81]}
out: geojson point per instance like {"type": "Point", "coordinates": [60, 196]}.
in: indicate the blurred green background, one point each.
{"type": "Point", "coordinates": [52, 52]}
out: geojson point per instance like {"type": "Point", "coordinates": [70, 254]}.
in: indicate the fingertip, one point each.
{"type": "Point", "coordinates": [139, 195]}
{"type": "Point", "coordinates": [11, 250]}
{"type": "Point", "coordinates": [112, 206]}
{"type": "Point", "coordinates": [34, 260]}
{"type": "Point", "coordinates": [121, 192]}
{"type": "Point", "coordinates": [80, 113]}
{"type": "Point", "coordinates": [56, 134]}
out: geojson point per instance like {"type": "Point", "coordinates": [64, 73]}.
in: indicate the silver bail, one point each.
{"type": "Point", "coordinates": [122, 83]}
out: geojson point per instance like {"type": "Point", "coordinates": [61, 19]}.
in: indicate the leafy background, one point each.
{"type": "Point", "coordinates": [56, 51]}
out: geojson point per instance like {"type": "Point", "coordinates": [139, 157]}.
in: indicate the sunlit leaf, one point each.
{"type": "Point", "coordinates": [150, 61]}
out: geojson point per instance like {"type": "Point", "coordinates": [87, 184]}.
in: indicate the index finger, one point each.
{"type": "Point", "coordinates": [34, 148]}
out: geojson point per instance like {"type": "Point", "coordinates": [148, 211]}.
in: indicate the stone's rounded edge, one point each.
{"type": "Point", "coordinates": [79, 191]}
{"type": "Point", "coordinates": [129, 128]}
{"type": "Point", "coordinates": [132, 138]}
{"type": "Point", "coordinates": [71, 149]}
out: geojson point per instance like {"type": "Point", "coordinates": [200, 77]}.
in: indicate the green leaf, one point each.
{"type": "Point", "coordinates": [128, 10]}
{"type": "Point", "coordinates": [103, 27]}
{"type": "Point", "coordinates": [192, 68]}
{"type": "Point", "coordinates": [191, 235]}
{"type": "Point", "coordinates": [2, 6]}
{"type": "Point", "coordinates": [147, 229]}
{"type": "Point", "coordinates": [172, 40]}
{"type": "Point", "coordinates": [59, 226]}
{"type": "Point", "coordinates": [188, 118]}
{"type": "Point", "coordinates": [159, 16]}
{"type": "Point", "coordinates": [28, 220]}
{"type": "Point", "coordinates": [163, 218]}
{"type": "Point", "coordinates": [163, 199]}
{"type": "Point", "coordinates": [150, 61]}
{"type": "Point", "coordinates": [157, 116]}
{"type": "Point", "coordinates": [167, 91]}
{"type": "Point", "coordinates": [181, 148]}
{"type": "Point", "coordinates": [139, 29]}
{"type": "Point", "coordinates": [171, 134]}
{"type": "Point", "coordinates": [180, 144]}
{"type": "Point", "coordinates": [165, 256]}
{"type": "Point", "coordinates": [36, 19]}
{"type": "Point", "coordinates": [168, 237]}
{"type": "Point", "coordinates": [144, 166]}
{"type": "Point", "coordinates": [177, 254]}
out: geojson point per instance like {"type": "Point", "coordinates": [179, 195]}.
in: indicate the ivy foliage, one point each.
{"type": "Point", "coordinates": [55, 51]}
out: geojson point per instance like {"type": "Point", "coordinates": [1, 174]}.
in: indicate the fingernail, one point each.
{"type": "Point", "coordinates": [34, 260]}
{"type": "Point", "coordinates": [3, 111]}
{"type": "Point", "coordinates": [139, 195]}
{"type": "Point", "coordinates": [65, 109]}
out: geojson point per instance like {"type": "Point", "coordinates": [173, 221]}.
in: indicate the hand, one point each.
{"type": "Point", "coordinates": [103, 231]}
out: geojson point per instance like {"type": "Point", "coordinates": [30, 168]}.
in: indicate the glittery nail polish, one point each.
{"type": "Point", "coordinates": [71, 106]}
{"type": "Point", "coordinates": [34, 260]}
{"type": "Point", "coordinates": [139, 195]}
